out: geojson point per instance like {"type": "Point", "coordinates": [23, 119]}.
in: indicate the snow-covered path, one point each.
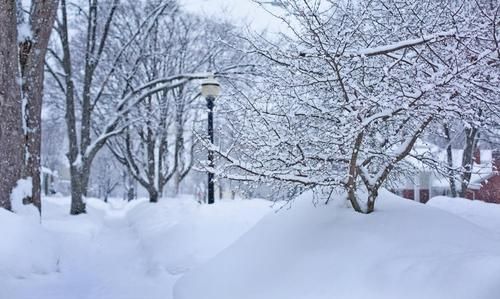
{"type": "Point", "coordinates": [118, 250]}
{"type": "Point", "coordinates": [97, 262]}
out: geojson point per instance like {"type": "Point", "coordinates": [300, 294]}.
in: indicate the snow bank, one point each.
{"type": "Point", "coordinates": [179, 234]}
{"type": "Point", "coordinates": [28, 247]}
{"type": "Point", "coordinates": [25, 247]}
{"type": "Point", "coordinates": [403, 250]}
{"type": "Point", "coordinates": [56, 217]}
{"type": "Point", "coordinates": [486, 215]}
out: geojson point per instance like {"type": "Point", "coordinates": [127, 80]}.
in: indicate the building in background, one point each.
{"type": "Point", "coordinates": [427, 182]}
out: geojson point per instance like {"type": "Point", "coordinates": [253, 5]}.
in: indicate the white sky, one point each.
{"type": "Point", "coordinates": [240, 12]}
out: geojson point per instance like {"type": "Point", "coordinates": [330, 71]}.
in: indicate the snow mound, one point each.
{"type": "Point", "coordinates": [25, 247]}
{"type": "Point", "coordinates": [179, 233]}
{"type": "Point", "coordinates": [486, 215]}
{"type": "Point", "coordinates": [56, 217]}
{"type": "Point", "coordinates": [403, 250]}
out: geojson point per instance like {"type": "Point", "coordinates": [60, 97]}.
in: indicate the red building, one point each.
{"type": "Point", "coordinates": [484, 184]}
{"type": "Point", "coordinates": [488, 188]}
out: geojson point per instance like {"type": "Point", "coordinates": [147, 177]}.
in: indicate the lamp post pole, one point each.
{"type": "Point", "coordinates": [210, 89]}
{"type": "Point", "coordinates": [210, 109]}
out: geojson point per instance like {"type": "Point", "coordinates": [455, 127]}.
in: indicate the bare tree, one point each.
{"type": "Point", "coordinates": [31, 42]}
{"type": "Point", "coordinates": [84, 95]}
{"type": "Point", "coordinates": [158, 145]}
{"type": "Point", "coordinates": [106, 175]}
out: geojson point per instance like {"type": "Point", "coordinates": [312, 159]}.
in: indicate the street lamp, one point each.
{"type": "Point", "coordinates": [210, 89]}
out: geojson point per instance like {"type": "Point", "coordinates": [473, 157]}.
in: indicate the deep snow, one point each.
{"type": "Point", "coordinates": [116, 251]}
{"type": "Point", "coordinates": [242, 249]}
{"type": "Point", "coordinates": [403, 250]}
{"type": "Point", "coordinates": [484, 214]}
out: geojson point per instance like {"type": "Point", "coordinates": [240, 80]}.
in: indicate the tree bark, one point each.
{"type": "Point", "coordinates": [353, 175]}
{"type": "Point", "coordinates": [32, 59]}
{"type": "Point", "coordinates": [153, 195]}
{"type": "Point", "coordinates": [79, 180]}
{"type": "Point", "coordinates": [11, 133]}
{"type": "Point", "coordinates": [467, 161]}
{"type": "Point", "coordinates": [449, 158]}
{"type": "Point", "coordinates": [46, 184]}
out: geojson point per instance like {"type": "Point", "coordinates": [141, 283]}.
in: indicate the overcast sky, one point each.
{"type": "Point", "coordinates": [241, 12]}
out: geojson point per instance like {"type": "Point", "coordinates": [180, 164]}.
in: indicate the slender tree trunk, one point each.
{"type": "Point", "coordinates": [449, 158]}
{"type": "Point", "coordinates": [77, 180]}
{"type": "Point", "coordinates": [177, 183]}
{"type": "Point", "coordinates": [11, 133]}
{"type": "Point", "coordinates": [353, 175]}
{"type": "Point", "coordinates": [370, 204]}
{"type": "Point", "coordinates": [130, 193]}
{"type": "Point", "coordinates": [467, 161]}
{"type": "Point", "coordinates": [221, 190]}
{"type": "Point", "coordinates": [46, 183]}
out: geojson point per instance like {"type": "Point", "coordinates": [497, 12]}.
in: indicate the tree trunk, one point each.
{"type": "Point", "coordinates": [370, 204]}
{"type": "Point", "coordinates": [351, 184]}
{"type": "Point", "coordinates": [153, 195]}
{"type": "Point", "coordinates": [221, 190]}
{"type": "Point", "coordinates": [467, 161]}
{"type": "Point", "coordinates": [46, 183]}
{"type": "Point", "coordinates": [130, 193]}
{"type": "Point", "coordinates": [449, 158]}
{"type": "Point", "coordinates": [177, 183]}
{"type": "Point", "coordinates": [11, 133]}
{"type": "Point", "coordinates": [31, 60]}
{"type": "Point", "coordinates": [79, 180]}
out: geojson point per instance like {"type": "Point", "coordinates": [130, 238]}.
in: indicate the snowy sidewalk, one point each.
{"type": "Point", "coordinates": [107, 264]}
{"type": "Point", "coordinates": [119, 250]}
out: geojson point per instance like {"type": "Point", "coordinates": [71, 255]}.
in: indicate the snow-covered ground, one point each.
{"type": "Point", "coordinates": [484, 214]}
{"type": "Point", "coordinates": [242, 249]}
{"type": "Point", "coordinates": [403, 250]}
{"type": "Point", "coordinates": [116, 251]}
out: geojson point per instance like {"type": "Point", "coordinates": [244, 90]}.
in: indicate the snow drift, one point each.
{"type": "Point", "coordinates": [122, 250]}
{"type": "Point", "coordinates": [25, 247]}
{"type": "Point", "coordinates": [403, 250]}
{"type": "Point", "coordinates": [178, 233]}
{"type": "Point", "coordinates": [484, 214]}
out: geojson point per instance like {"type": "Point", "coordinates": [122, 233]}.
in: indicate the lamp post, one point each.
{"type": "Point", "coordinates": [210, 89]}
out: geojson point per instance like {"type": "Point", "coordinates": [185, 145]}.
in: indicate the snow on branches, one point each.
{"type": "Point", "coordinates": [353, 86]}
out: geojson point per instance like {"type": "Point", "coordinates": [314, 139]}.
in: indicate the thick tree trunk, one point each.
{"type": "Point", "coordinates": [153, 195]}
{"type": "Point", "coordinates": [79, 181]}
{"type": "Point", "coordinates": [32, 60]}
{"type": "Point", "coordinates": [11, 133]}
